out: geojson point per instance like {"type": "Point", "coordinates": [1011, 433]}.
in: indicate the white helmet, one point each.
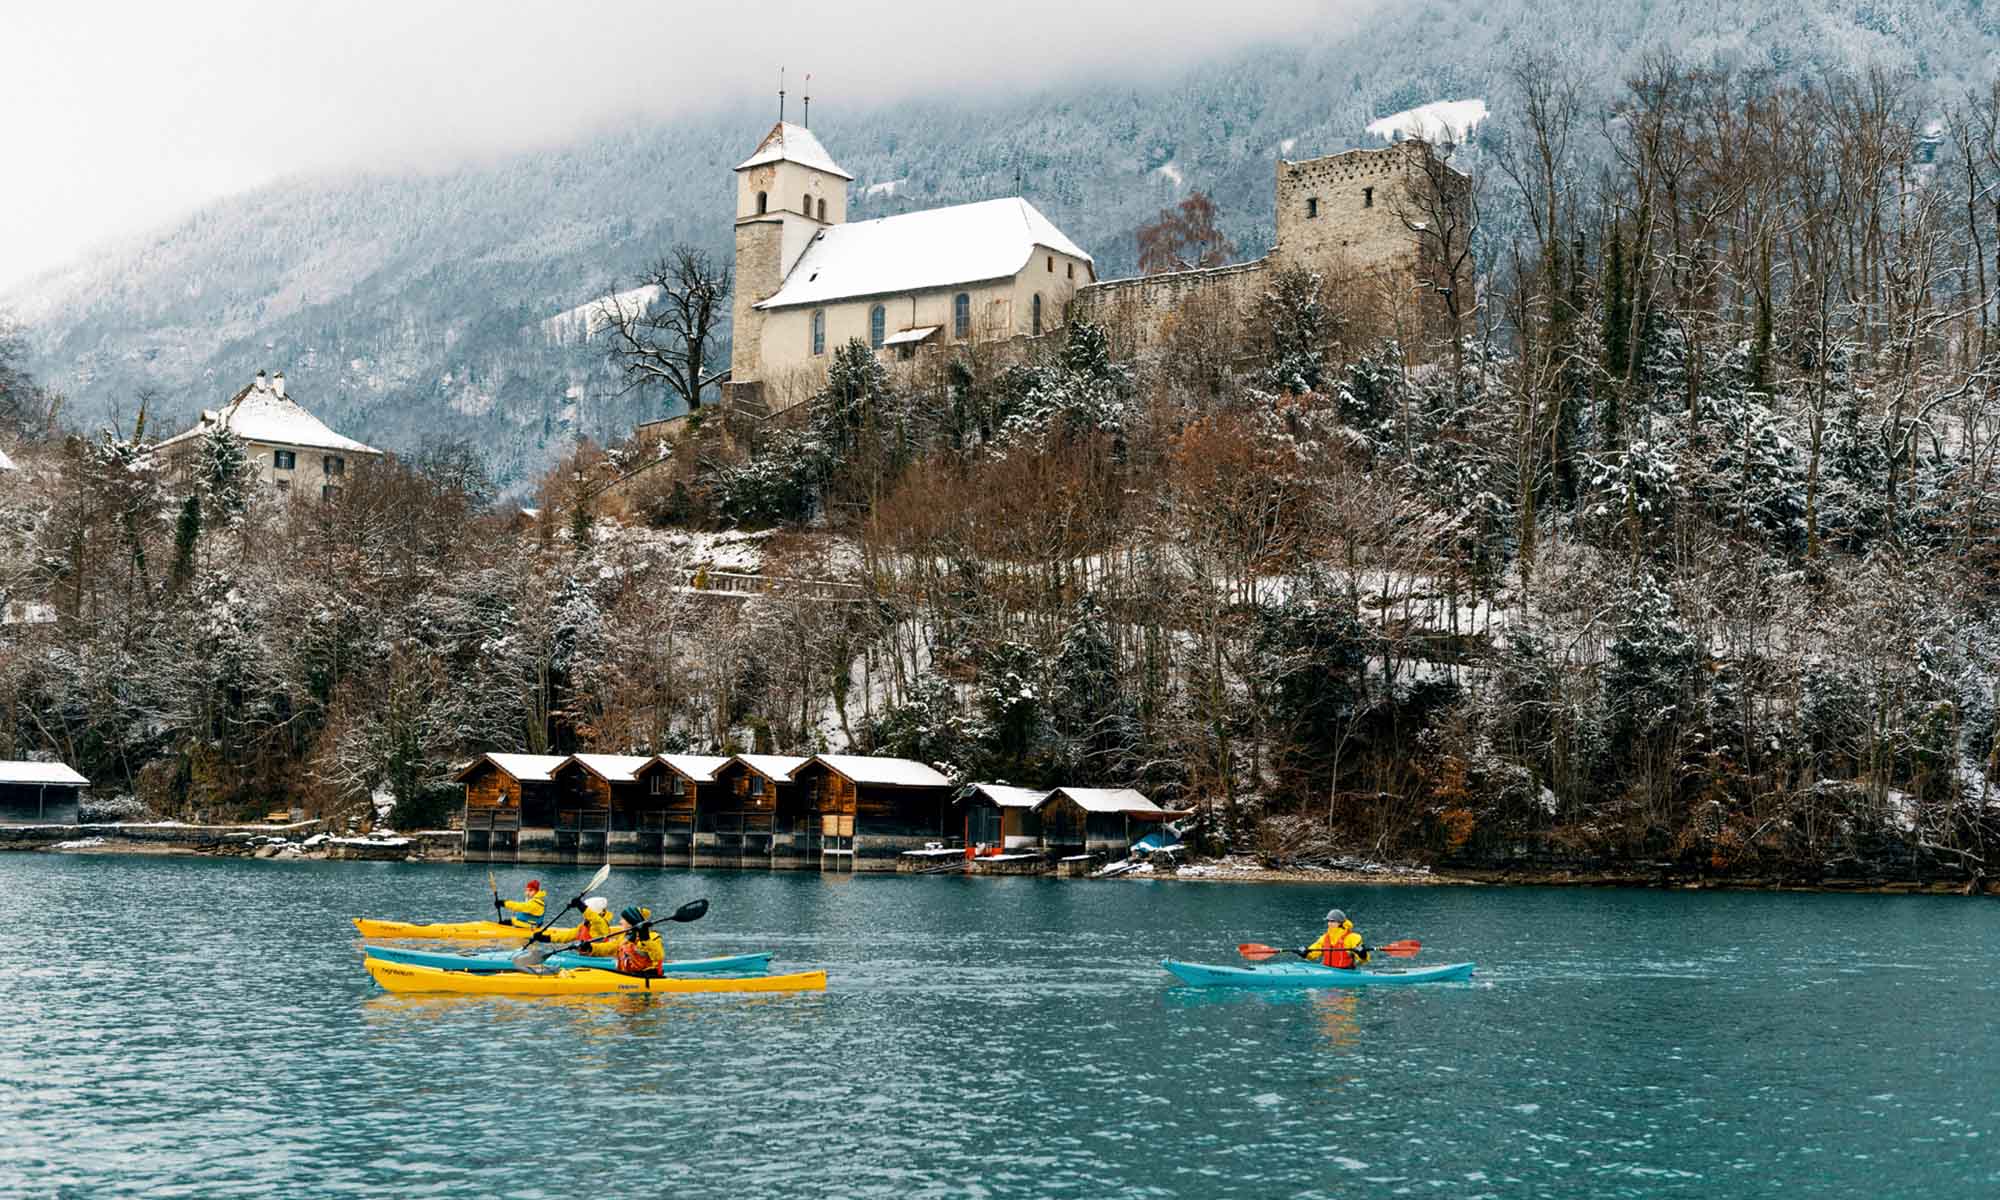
{"type": "Point", "coordinates": [597, 904]}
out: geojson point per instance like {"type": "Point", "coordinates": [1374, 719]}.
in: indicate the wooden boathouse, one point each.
{"type": "Point", "coordinates": [1079, 821]}
{"type": "Point", "coordinates": [597, 796]}
{"type": "Point", "coordinates": [872, 809]}
{"type": "Point", "coordinates": [508, 798]}
{"type": "Point", "coordinates": [677, 788]}
{"type": "Point", "coordinates": [997, 816]}
{"type": "Point", "coordinates": [40, 793]}
{"type": "Point", "coordinates": [741, 829]}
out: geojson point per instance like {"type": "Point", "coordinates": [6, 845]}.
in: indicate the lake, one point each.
{"type": "Point", "coordinates": [203, 1027]}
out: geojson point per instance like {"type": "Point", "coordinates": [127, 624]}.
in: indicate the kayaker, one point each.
{"type": "Point", "coordinates": [529, 909]}
{"type": "Point", "coordinates": [642, 952]}
{"type": "Point", "coordinates": [595, 924]}
{"type": "Point", "coordinates": [1339, 946]}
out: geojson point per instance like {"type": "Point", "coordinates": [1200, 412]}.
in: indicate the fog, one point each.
{"type": "Point", "coordinates": [118, 122]}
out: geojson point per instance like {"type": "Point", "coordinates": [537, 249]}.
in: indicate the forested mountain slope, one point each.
{"type": "Point", "coordinates": [408, 305]}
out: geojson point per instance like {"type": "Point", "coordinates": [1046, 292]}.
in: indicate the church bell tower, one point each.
{"type": "Point", "coordinates": [786, 193]}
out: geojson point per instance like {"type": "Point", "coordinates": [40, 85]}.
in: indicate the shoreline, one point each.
{"type": "Point", "coordinates": [263, 844]}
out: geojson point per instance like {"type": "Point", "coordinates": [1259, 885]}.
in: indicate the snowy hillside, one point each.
{"type": "Point", "coordinates": [1443, 121]}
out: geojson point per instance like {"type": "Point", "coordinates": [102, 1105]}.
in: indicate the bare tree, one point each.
{"type": "Point", "coordinates": [1185, 238]}
{"type": "Point", "coordinates": [663, 331]}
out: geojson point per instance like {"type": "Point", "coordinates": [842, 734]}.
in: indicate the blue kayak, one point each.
{"type": "Point", "coordinates": [502, 960]}
{"type": "Point", "coordinates": [1310, 975]}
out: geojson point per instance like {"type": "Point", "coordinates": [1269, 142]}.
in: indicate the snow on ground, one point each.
{"type": "Point", "coordinates": [1171, 172]}
{"type": "Point", "coordinates": [580, 323]}
{"type": "Point", "coordinates": [1438, 121]}
{"type": "Point", "coordinates": [79, 844]}
{"type": "Point", "coordinates": [885, 189]}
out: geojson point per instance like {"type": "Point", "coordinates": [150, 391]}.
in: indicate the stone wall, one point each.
{"type": "Point", "coordinates": [1146, 313]}
{"type": "Point", "coordinates": [1341, 212]}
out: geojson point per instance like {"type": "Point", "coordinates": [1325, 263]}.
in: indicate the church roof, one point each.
{"type": "Point", "coordinates": [793, 143]}
{"type": "Point", "coordinates": [921, 251]}
{"type": "Point", "coordinates": [261, 412]}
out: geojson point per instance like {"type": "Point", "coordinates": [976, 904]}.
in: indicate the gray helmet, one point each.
{"type": "Point", "coordinates": [1334, 916]}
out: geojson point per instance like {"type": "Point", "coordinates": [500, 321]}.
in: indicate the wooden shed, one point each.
{"type": "Point", "coordinates": [879, 807]}
{"type": "Point", "coordinates": [676, 788]}
{"type": "Point", "coordinates": [595, 794]}
{"type": "Point", "coordinates": [757, 798]}
{"type": "Point", "coordinates": [998, 815]}
{"type": "Point", "coordinates": [39, 793]}
{"type": "Point", "coordinates": [1078, 820]}
{"type": "Point", "coordinates": [509, 791]}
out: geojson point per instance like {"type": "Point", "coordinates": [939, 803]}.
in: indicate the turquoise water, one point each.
{"type": "Point", "coordinates": [193, 1027]}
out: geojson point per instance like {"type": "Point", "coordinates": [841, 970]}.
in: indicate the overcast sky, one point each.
{"type": "Point", "coordinates": [121, 117]}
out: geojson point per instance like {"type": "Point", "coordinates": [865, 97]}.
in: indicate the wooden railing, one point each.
{"type": "Point", "coordinates": [583, 820]}
{"type": "Point", "coordinates": [744, 822]}
{"type": "Point", "coordinates": [498, 820]}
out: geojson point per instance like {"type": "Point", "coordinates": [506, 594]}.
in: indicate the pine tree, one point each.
{"type": "Point", "coordinates": [187, 531]}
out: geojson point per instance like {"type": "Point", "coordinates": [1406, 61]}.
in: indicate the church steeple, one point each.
{"type": "Point", "coordinates": [787, 191]}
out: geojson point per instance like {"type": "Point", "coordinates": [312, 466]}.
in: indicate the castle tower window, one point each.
{"type": "Point", "coordinates": [763, 204]}
{"type": "Point", "coordinates": [961, 316]}
{"type": "Point", "coordinates": [819, 331]}
{"type": "Point", "coordinates": [1368, 197]}
{"type": "Point", "coordinates": [806, 204]}
{"type": "Point", "coordinates": [1038, 313]}
{"type": "Point", "coordinates": [822, 210]}
{"type": "Point", "coordinates": [878, 319]}
{"type": "Point", "coordinates": [1312, 207]}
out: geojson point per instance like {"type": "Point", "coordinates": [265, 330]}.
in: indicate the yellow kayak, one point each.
{"type": "Point", "coordinates": [456, 931]}
{"type": "Point", "coordinates": [579, 981]}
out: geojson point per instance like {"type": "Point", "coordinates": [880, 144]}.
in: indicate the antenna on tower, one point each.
{"type": "Point", "coordinates": [809, 99]}
{"type": "Point", "coordinates": [781, 95]}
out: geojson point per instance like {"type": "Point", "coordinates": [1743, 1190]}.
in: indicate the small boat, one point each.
{"type": "Point", "coordinates": [402, 977]}
{"type": "Point", "coordinates": [1310, 975]}
{"type": "Point", "coordinates": [503, 960]}
{"type": "Point", "coordinates": [455, 931]}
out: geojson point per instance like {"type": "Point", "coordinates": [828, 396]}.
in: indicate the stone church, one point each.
{"type": "Point", "coordinates": [807, 281]}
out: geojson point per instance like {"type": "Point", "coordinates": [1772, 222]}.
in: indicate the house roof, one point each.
{"type": "Point", "coordinates": [1107, 800]}
{"type": "Point", "coordinates": [921, 251]}
{"type": "Point", "coordinates": [260, 413]}
{"type": "Point", "coordinates": [14, 771]}
{"type": "Point", "coordinates": [776, 766]}
{"type": "Point", "coordinates": [612, 768]}
{"type": "Point", "coordinates": [527, 768]}
{"type": "Point", "coordinates": [1004, 795]}
{"type": "Point", "coordinates": [699, 767]}
{"type": "Point", "coordinates": [884, 772]}
{"type": "Point", "coordinates": [793, 143]}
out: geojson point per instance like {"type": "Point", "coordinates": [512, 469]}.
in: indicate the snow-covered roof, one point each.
{"type": "Point", "coordinates": [261, 412]}
{"type": "Point", "coordinates": [1107, 800]}
{"type": "Point", "coordinates": [612, 768]}
{"type": "Point", "coordinates": [911, 335]}
{"type": "Point", "coordinates": [884, 772]}
{"type": "Point", "coordinates": [793, 143]}
{"type": "Point", "coordinates": [1006, 796]}
{"type": "Point", "coordinates": [12, 771]}
{"type": "Point", "coordinates": [528, 768]}
{"type": "Point", "coordinates": [699, 767]}
{"type": "Point", "coordinates": [921, 251]}
{"type": "Point", "coordinates": [776, 766]}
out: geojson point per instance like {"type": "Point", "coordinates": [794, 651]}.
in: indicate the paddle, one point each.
{"type": "Point", "coordinates": [596, 881]}
{"type": "Point", "coordinates": [1258, 952]}
{"type": "Point", "coordinates": [493, 885]}
{"type": "Point", "coordinates": [531, 957]}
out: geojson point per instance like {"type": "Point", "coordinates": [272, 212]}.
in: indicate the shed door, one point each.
{"type": "Point", "coordinates": [982, 824]}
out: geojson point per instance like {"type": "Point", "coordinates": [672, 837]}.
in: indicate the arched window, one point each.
{"type": "Point", "coordinates": [961, 316]}
{"type": "Point", "coordinates": [819, 331]}
{"type": "Point", "coordinates": [822, 211]}
{"type": "Point", "coordinates": [878, 320]}
{"type": "Point", "coordinates": [763, 204]}
{"type": "Point", "coordinates": [806, 203]}
{"type": "Point", "coordinates": [1038, 313]}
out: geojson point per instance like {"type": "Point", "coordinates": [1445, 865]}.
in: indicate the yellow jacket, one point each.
{"type": "Point", "coordinates": [651, 945]}
{"type": "Point", "coordinates": [532, 908]}
{"type": "Point", "coordinates": [1336, 947]}
{"type": "Point", "coordinates": [593, 925]}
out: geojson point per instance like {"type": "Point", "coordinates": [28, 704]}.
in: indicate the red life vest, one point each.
{"type": "Point", "coordinates": [633, 960]}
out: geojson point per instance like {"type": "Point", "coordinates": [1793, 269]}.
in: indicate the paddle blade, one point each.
{"type": "Point", "coordinates": [531, 957]}
{"type": "Point", "coordinates": [1406, 948]}
{"type": "Point", "coordinates": [1258, 952]}
{"type": "Point", "coordinates": [597, 880]}
{"type": "Point", "coordinates": [693, 910]}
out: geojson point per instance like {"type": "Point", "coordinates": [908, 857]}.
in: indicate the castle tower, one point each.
{"type": "Point", "coordinates": [786, 193]}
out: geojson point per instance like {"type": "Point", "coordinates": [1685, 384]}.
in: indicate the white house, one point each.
{"type": "Point", "coordinates": [288, 445]}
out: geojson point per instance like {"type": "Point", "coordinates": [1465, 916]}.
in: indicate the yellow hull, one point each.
{"type": "Point", "coordinates": [582, 981]}
{"type": "Point", "coordinates": [456, 931]}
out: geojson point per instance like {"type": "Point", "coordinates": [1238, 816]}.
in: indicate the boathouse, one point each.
{"type": "Point", "coordinates": [505, 795]}
{"type": "Point", "coordinates": [39, 793]}
{"type": "Point", "coordinates": [756, 797]}
{"type": "Point", "coordinates": [1091, 821]}
{"type": "Point", "coordinates": [597, 795]}
{"type": "Point", "coordinates": [872, 809]}
{"type": "Point", "coordinates": [999, 816]}
{"type": "Point", "coordinates": [677, 788]}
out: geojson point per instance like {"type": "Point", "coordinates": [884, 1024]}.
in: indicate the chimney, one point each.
{"type": "Point", "coordinates": [278, 384]}
{"type": "Point", "coordinates": [261, 383]}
